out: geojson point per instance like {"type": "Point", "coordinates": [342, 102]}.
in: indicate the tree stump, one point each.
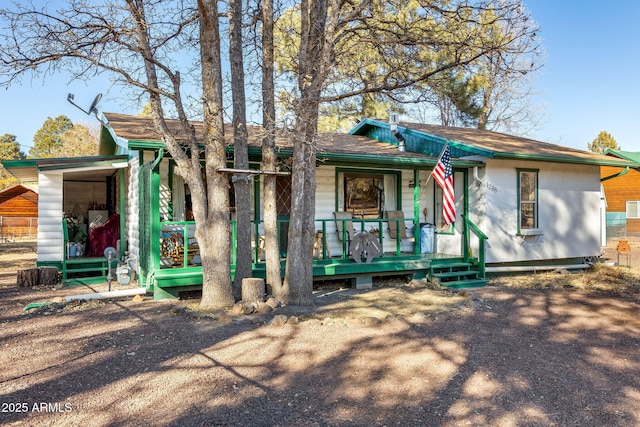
{"type": "Point", "coordinates": [43, 276]}
{"type": "Point", "coordinates": [48, 276]}
{"type": "Point", "coordinates": [252, 290]}
{"type": "Point", "coordinates": [27, 278]}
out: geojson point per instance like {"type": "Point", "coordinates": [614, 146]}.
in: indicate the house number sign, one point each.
{"type": "Point", "coordinates": [492, 187]}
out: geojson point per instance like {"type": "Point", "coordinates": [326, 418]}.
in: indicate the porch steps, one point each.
{"type": "Point", "coordinates": [84, 267]}
{"type": "Point", "coordinates": [456, 275]}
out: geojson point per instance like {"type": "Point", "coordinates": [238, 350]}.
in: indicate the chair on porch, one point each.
{"type": "Point", "coordinates": [342, 226]}
{"type": "Point", "coordinates": [397, 228]}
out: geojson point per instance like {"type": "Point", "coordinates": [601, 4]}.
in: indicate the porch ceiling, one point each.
{"type": "Point", "coordinates": [81, 168]}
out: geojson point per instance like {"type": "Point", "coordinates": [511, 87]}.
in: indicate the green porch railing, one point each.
{"type": "Point", "coordinates": [177, 232]}
{"type": "Point", "coordinates": [470, 226]}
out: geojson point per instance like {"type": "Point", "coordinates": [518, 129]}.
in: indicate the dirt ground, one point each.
{"type": "Point", "coordinates": [534, 350]}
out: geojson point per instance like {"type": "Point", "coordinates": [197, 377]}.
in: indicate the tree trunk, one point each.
{"type": "Point", "coordinates": [269, 160]}
{"type": "Point", "coordinates": [313, 62]}
{"type": "Point", "coordinates": [253, 290]}
{"type": "Point", "coordinates": [212, 212]}
{"type": "Point", "coordinates": [240, 150]}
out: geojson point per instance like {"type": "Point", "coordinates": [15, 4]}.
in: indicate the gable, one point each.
{"type": "Point", "coordinates": [18, 201]}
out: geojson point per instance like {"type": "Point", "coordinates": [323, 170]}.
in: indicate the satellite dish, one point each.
{"type": "Point", "coordinates": [92, 109]}
{"type": "Point", "coordinates": [94, 104]}
{"type": "Point", "coordinates": [110, 252]}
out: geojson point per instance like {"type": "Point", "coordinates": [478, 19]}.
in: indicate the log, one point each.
{"type": "Point", "coordinates": [252, 290]}
{"type": "Point", "coordinates": [27, 278]}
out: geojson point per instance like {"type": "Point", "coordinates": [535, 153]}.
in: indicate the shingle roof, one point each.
{"type": "Point", "coordinates": [498, 145]}
{"type": "Point", "coordinates": [507, 146]}
{"type": "Point", "coordinates": [134, 128]}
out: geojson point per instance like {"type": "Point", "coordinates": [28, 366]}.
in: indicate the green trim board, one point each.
{"type": "Point", "coordinates": [626, 155]}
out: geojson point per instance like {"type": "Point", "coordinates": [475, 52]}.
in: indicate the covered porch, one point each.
{"type": "Point", "coordinates": [178, 269]}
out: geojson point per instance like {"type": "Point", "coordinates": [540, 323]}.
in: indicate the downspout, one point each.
{"type": "Point", "coordinates": [158, 158]}
{"type": "Point", "coordinates": [622, 172]}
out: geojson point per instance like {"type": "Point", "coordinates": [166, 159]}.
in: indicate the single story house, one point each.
{"type": "Point", "coordinates": [521, 204]}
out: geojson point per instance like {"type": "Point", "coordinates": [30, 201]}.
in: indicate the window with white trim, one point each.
{"type": "Point", "coordinates": [633, 209]}
{"type": "Point", "coordinates": [527, 199]}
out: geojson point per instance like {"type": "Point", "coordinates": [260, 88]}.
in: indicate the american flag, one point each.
{"type": "Point", "coordinates": [443, 175]}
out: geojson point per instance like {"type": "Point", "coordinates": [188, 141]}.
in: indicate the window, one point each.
{"type": "Point", "coordinates": [633, 209]}
{"type": "Point", "coordinates": [527, 199]}
{"type": "Point", "coordinates": [366, 194]}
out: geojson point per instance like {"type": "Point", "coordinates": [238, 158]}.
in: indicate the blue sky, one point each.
{"type": "Point", "coordinates": [589, 82]}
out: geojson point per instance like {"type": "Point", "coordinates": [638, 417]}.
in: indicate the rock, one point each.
{"type": "Point", "coordinates": [264, 308]}
{"type": "Point", "coordinates": [236, 309]}
{"type": "Point", "coordinates": [137, 298]}
{"type": "Point", "coordinates": [224, 318]}
{"type": "Point", "coordinates": [419, 317]}
{"type": "Point", "coordinates": [279, 320]}
{"type": "Point", "coordinates": [248, 309]}
{"type": "Point", "coordinates": [273, 303]}
{"type": "Point", "coordinates": [371, 321]}
{"type": "Point", "coordinates": [178, 309]}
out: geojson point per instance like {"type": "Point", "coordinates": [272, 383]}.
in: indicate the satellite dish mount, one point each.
{"type": "Point", "coordinates": [92, 109]}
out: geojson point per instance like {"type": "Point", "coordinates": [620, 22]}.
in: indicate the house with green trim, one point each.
{"type": "Point", "coordinates": [521, 204]}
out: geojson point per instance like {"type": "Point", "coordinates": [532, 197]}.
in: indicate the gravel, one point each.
{"type": "Point", "coordinates": [496, 356]}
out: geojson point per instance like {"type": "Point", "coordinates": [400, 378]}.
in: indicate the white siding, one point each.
{"type": "Point", "coordinates": [50, 214]}
{"type": "Point", "coordinates": [132, 221]}
{"type": "Point", "coordinates": [326, 206]}
{"type": "Point", "coordinates": [568, 212]}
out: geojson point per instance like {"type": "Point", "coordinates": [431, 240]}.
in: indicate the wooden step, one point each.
{"type": "Point", "coordinates": [455, 275]}
{"type": "Point", "coordinates": [460, 284]}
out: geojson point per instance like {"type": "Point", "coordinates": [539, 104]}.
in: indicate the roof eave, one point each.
{"type": "Point", "coordinates": [569, 160]}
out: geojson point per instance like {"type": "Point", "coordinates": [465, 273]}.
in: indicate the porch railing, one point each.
{"type": "Point", "coordinates": [175, 237]}
{"type": "Point", "coordinates": [482, 238]}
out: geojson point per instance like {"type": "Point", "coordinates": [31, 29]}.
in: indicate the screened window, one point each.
{"type": "Point", "coordinates": [633, 209]}
{"type": "Point", "coordinates": [527, 199]}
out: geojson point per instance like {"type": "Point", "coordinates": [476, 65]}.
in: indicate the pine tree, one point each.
{"type": "Point", "coordinates": [602, 143]}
